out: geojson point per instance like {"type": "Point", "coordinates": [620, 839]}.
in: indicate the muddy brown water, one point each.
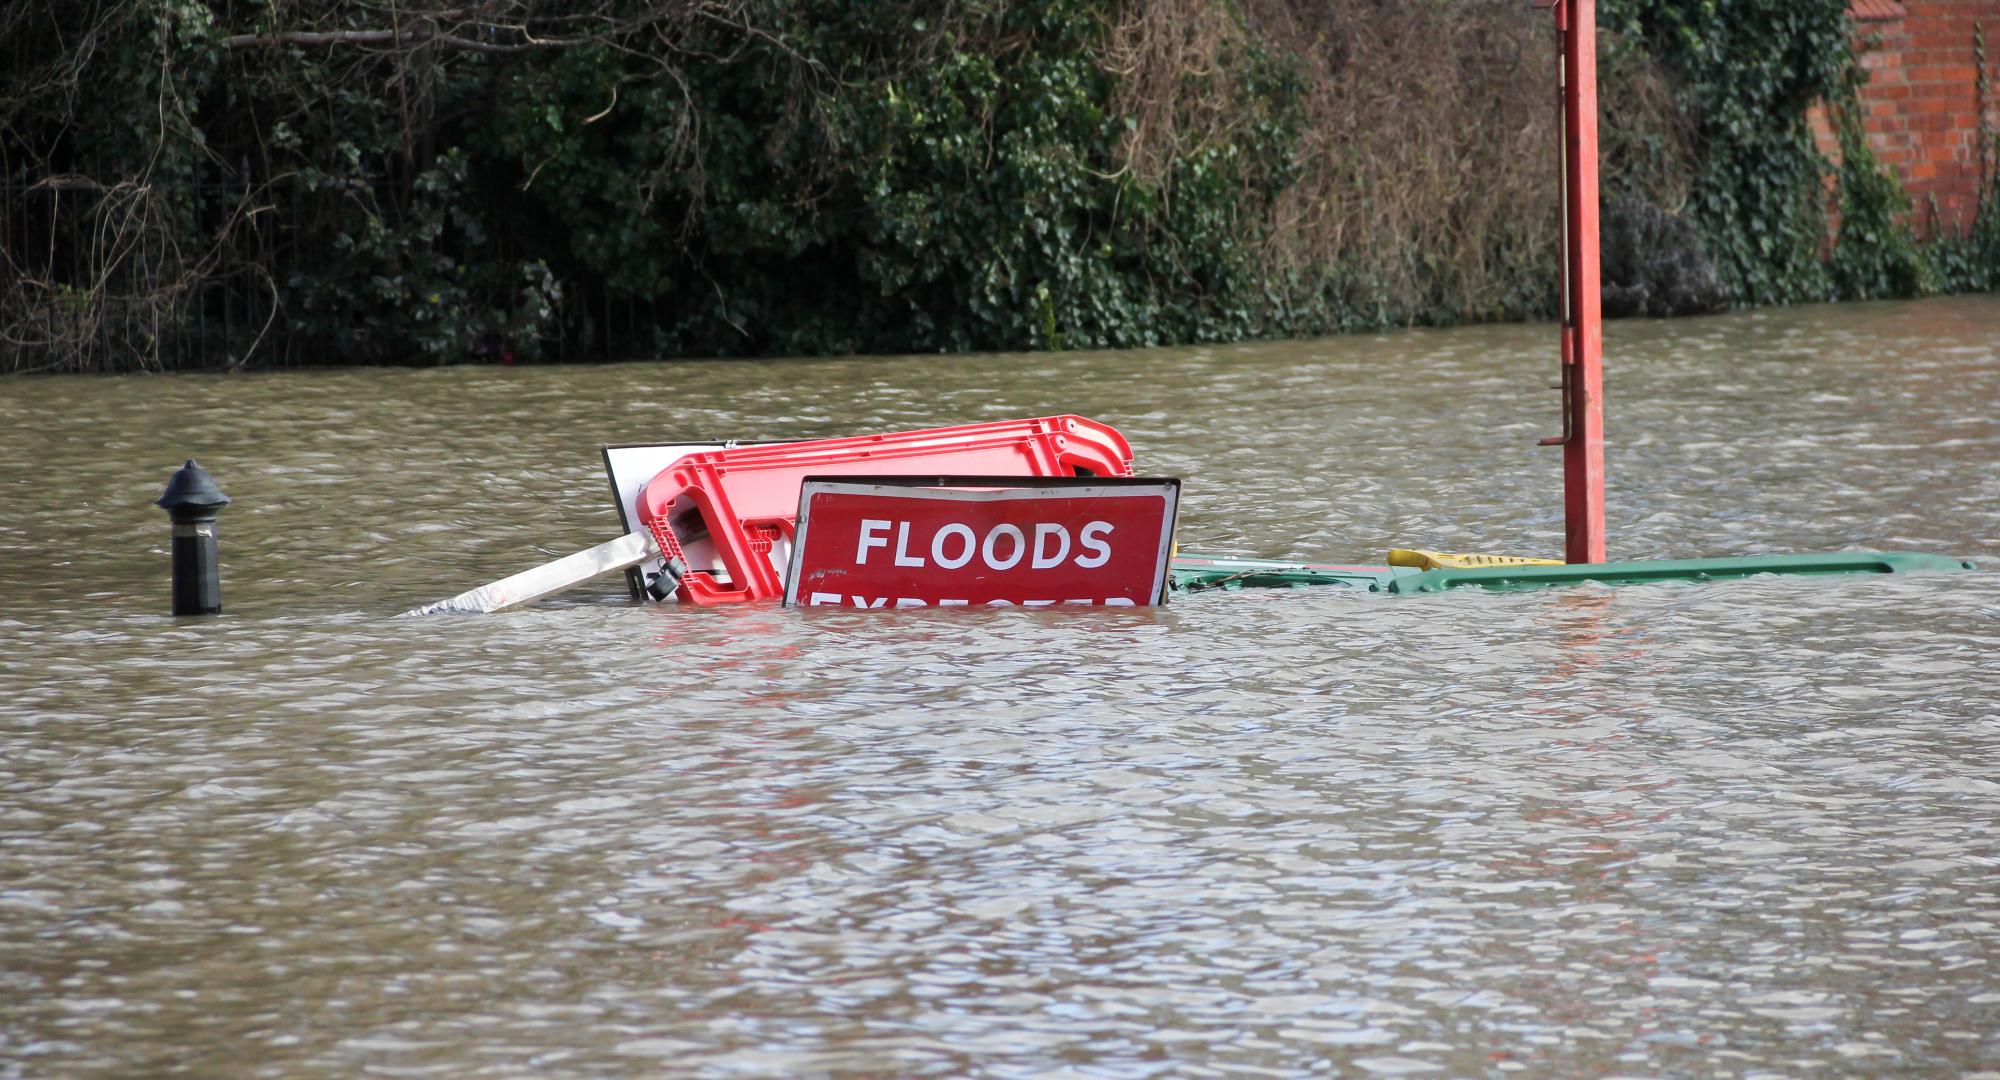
{"type": "Point", "coordinates": [1665, 830]}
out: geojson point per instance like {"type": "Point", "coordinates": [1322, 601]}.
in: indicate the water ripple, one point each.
{"type": "Point", "coordinates": [1659, 830]}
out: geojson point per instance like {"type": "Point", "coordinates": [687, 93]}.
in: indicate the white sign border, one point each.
{"type": "Point", "coordinates": [994, 489]}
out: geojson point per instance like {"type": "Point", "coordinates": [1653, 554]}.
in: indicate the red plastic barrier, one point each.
{"type": "Point", "coordinates": [745, 499]}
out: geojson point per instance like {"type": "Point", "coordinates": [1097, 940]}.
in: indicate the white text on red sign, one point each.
{"type": "Point", "coordinates": [954, 544]}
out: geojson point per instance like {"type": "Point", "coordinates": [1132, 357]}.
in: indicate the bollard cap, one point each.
{"type": "Point", "coordinates": [191, 492]}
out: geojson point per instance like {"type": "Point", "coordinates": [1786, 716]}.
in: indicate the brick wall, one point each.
{"type": "Point", "coordinates": [1921, 108]}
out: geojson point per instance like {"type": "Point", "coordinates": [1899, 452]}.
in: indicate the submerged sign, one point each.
{"type": "Point", "coordinates": [965, 541]}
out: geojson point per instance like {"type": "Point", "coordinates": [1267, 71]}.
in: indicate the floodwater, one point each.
{"type": "Point", "coordinates": [1742, 829]}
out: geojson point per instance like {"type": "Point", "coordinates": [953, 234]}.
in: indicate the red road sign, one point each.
{"type": "Point", "coordinates": [982, 541]}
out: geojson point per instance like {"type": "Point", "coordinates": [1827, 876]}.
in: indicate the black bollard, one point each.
{"type": "Point", "coordinates": [193, 500]}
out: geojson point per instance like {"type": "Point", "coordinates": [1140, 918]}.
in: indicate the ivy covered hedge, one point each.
{"type": "Point", "coordinates": [1745, 75]}
{"type": "Point", "coordinates": [260, 182]}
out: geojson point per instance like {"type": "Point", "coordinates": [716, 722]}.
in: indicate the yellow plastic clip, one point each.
{"type": "Point", "coordinates": [1442, 560]}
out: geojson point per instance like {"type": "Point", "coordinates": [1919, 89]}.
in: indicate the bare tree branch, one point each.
{"type": "Point", "coordinates": [397, 38]}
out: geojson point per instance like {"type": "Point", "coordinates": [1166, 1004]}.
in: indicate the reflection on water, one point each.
{"type": "Point", "coordinates": [1660, 830]}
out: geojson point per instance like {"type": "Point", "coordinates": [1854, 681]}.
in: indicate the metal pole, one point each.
{"type": "Point", "coordinates": [1583, 344]}
{"type": "Point", "coordinates": [193, 501]}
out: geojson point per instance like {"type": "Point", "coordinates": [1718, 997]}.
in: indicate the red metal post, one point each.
{"type": "Point", "coordinates": [1583, 333]}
